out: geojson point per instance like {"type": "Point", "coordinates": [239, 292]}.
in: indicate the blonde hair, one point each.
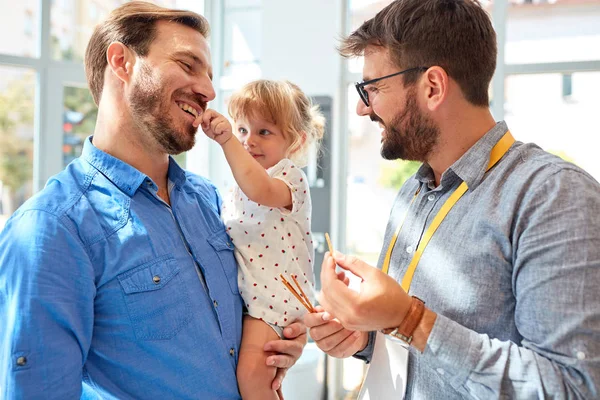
{"type": "Point", "coordinates": [285, 105]}
{"type": "Point", "coordinates": [134, 25]}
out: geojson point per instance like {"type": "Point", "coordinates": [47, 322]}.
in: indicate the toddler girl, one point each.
{"type": "Point", "coordinates": [268, 214]}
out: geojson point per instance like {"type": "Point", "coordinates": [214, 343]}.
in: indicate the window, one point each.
{"type": "Point", "coordinates": [552, 31]}
{"type": "Point", "coordinates": [19, 21]}
{"type": "Point", "coordinates": [17, 105]}
{"type": "Point", "coordinates": [536, 111]}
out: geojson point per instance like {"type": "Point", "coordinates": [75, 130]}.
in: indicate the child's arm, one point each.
{"type": "Point", "coordinates": [251, 177]}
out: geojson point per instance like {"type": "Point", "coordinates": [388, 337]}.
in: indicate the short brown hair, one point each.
{"type": "Point", "coordinates": [285, 105]}
{"type": "Point", "coordinates": [456, 35]}
{"type": "Point", "coordinates": [134, 25]}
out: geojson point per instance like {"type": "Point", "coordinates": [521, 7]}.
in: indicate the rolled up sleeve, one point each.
{"type": "Point", "coordinates": [46, 302]}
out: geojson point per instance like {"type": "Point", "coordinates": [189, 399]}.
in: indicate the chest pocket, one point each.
{"type": "Point", "coordinates": [224, 250]}
{"type": "Point", "coordinates": [157, 299]}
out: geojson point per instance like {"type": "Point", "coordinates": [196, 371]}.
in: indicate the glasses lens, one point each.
{"type": "Point", "coordinates": [364, 95]}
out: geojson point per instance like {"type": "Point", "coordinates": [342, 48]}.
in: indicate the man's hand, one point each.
{"type": "Point", "coordinates": [381, 302]}
{"type": "Point", "coordinates": [215, 126]}
{"type": "Point", "coordinates": [289, 351]}
{"type": "Point", "coordinates": [331, 337]}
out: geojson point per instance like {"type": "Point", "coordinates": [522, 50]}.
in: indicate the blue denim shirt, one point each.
{"type": "Point", "coordinates": [103, 284]}
{"type": "Point", "coordinates": [513, 273]}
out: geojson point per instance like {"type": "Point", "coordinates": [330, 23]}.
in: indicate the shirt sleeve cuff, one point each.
{"type": "Point", "coordinates": [452, 350]}
{"type": "Point", "coordinates": [367, 353]}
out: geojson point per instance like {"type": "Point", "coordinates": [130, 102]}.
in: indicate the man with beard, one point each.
{"type": "Point", "coordinates": [498, 238]}
{"type": "Point", "coordinates": [118, 278]}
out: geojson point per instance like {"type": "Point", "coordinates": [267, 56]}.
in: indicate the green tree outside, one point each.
{"type": "Point", "coordinates": [17, 102]}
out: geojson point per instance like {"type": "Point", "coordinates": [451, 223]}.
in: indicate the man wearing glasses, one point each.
{"type": "Point", "coordinates": [490, 265]}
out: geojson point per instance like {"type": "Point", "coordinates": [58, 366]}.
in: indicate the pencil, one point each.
{"type": "Point", "coordinates": [300, 298]}
{"type": "Point", "coordinates": [329, 243]}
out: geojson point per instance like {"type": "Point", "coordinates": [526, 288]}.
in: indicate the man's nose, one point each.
{"type": "Point", "coordinates": [204, 87]}
{"type": "Point", "coordinates": [362, 109]}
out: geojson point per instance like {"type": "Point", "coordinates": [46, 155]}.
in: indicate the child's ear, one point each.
{"type": "Point", "coordinates": [298, 146]}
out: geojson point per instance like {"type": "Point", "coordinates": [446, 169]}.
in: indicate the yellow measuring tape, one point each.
{"type": "Point", "coordinates": [496, 154]}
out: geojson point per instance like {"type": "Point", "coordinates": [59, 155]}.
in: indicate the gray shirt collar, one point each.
{"type": "Point", "coordinates": [471, 167]}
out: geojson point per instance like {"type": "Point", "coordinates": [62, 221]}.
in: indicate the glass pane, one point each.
{"type": "Point", "coordinates": [79, 120]}
{"type": "Point", "coordinates": [558, 113]}
{"type": "Point", "coordinates": [73, 21]}
{"type": "Point", "coordinates": [17, 105]}
{"type": "Point", "coordinates": [19, 27]}
{"type": "Point", "coordinates": [360, 11]}
{"type": "Point", "coordinates": [552, 31]}
{"type": "Point", "coordinates": [242, 46]}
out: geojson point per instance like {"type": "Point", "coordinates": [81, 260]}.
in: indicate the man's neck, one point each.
{"type": "Point", "coordinates": [458, 135]}
{"type": "Point", "coordinates": [124, 141]}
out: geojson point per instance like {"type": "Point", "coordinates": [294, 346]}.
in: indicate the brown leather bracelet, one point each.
{"type": "Point", "coordinates": [407, 327]}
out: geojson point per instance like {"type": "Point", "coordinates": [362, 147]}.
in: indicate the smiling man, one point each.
{"type": "Point", "coordinates": [498, 238]}
{"type": "Point", "coordinates": [118, 278]}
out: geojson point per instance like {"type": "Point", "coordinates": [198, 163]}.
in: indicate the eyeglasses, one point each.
{"type": "Point", "coordinates": [360, 86]}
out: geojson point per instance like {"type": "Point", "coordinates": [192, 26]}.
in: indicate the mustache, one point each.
{"type": "Point", "coordinates": [192, 98]}
{"type": "Point", "coordinates": [375, 118]}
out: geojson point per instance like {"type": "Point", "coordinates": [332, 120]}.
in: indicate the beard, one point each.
{"type": "Point", "coordinates": [410, 135]}
{"type": "Point", "coordinates": [151, 111]}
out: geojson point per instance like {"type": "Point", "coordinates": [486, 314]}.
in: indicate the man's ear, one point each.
{"type": "Point", "coordinates": [121, 61]}
{"type": "Point", "coordinates": [436, 83]}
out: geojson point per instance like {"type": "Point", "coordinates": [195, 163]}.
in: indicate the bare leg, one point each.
{"type": "Point", "coordinates": [253, 375]}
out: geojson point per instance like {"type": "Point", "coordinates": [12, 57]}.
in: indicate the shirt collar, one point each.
{"type": "Point", "coordinates": [471, 167]}
{"type": "Point", "coordinates": [124, 176]}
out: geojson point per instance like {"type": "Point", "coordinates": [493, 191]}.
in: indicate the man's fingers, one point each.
{"type": "Point", "coordinates": [324, 330]}
{"type": "Point", "coordinates": [352, 264]}
{"type": "Point", "coordinates": [314, 319]}
{"type": "Point", "coordinates": [342, 277]}
{"type": "Point", "coordinates": [347, 347]}
{"type": "Point", "coordinates": [295, 329]}
{"type": "Point", "coordinates": [331, 342]}
{"type": "Point", "coordinates": [335, 296]}
{"type": "Point", "coordinates": [288, 352]}
{"type": "Point", "coordinates": [278, 380]}
{"type": "Point", "coordinates": [281, 361]}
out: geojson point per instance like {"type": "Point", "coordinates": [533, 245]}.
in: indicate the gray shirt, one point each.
{"type": "Point", "coordinates": [513, 273]}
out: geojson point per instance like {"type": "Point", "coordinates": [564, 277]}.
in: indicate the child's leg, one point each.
{"type": "Point", "coordinates": [253, 375]}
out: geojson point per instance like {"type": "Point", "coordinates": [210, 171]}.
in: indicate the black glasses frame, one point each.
{"type": "Point", "coordinates": [360, 86]}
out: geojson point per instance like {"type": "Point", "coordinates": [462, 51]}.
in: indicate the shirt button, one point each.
{"type": "Point", "coordinates": [231, 352]}
{"type": "Point", "coordinates": [409, 249]}
{"type": "Point", "coordinates": [440, 371]}
{"type": "Point", "coordinates": [431, 197]}
{"type": "Point", "coordinates": [156, 279]}
{"type": "Point", "coordinates": [22, 361]}
{"type": "Point", "coordinates": [580, 355]}
{"type": "Point", "coordinates": [215, 303]}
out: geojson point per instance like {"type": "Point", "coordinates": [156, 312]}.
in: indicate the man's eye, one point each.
{"type": "Point", "coordinates": [371, 89]}
{"type": "Point", "coordinates": [185, 66]}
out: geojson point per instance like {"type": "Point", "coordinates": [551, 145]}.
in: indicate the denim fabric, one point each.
{"type": "Point", "coordinates": [102, 284]}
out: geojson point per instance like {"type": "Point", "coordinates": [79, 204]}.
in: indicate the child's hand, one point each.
{"type": "Point", "coordinates": [215, 126]}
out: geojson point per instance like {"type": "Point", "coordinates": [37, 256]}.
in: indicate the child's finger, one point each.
{"type": "Point", "coordinates": [221, 127]}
